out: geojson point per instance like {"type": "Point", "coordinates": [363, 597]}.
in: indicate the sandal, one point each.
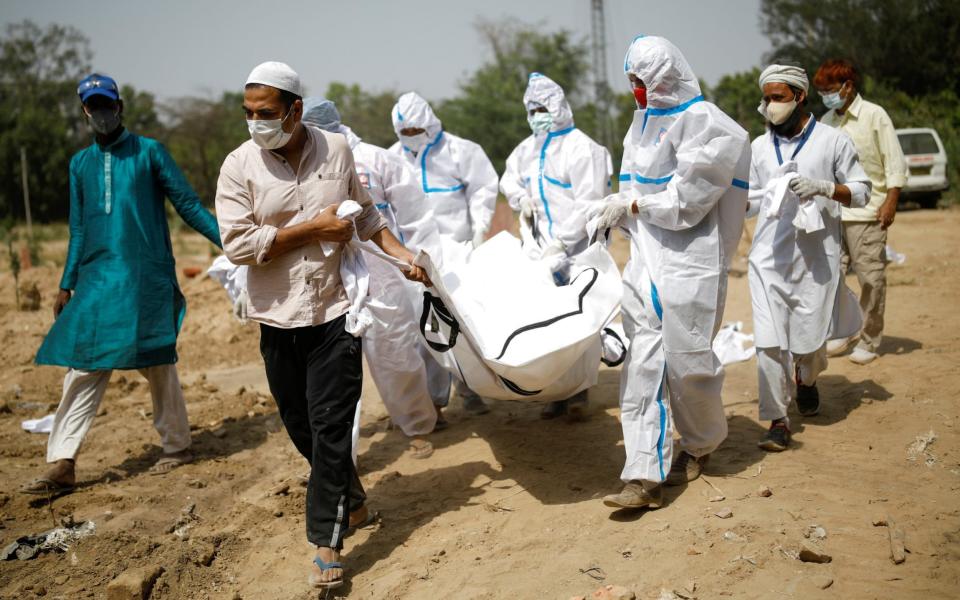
{"type": "Point", "coordinates": [169, 462]}
{"type": "Point", "coordinates": [420, 449]}
{"type": "Point", "coordinates": [43, 486]}
{"type": "Point", "coordinates": [324, 567]}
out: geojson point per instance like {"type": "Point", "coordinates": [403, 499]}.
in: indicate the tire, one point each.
{"type": "Point", "coordinates": [929, 200]}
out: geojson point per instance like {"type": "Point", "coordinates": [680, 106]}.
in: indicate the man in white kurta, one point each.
{"type": "Point", "coordinates": [799, 298]}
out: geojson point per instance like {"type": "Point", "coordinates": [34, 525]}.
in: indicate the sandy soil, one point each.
{"type": "Point", "coordinates": [508, 506]}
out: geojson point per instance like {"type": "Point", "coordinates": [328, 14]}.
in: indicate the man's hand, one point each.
{"type": "Point", "coordinates": [392, 246]}
{"type": "Point", "coordinates": [328, 228]}
{"type": "Point", "coordinates": [886, 214]}
{"type": "Point", "coordinates": [807, 188]}
{"type": "Point", "coordinates": [613, 209]}
{"type": "Point", "coordinates": [417, 274]}
{"type": "Point", "coordinates": [58, 305]}
{"type": "Point", "coordinates": [528, 206]}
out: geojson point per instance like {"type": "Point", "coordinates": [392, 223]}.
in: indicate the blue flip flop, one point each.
{"type": "Point", "coordinates": [324, 567]}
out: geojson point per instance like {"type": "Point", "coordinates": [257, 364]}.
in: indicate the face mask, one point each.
{"type": "Point", "coordinates": [640, 95]}
{"type": "Point", "coordinates": [540, 122]}
{"type": "Point", "coordinates": [833, 100]}
{"type": "Point", "coordinates": [414, 143]}
{"type": "Point", "coordinates": [104, 120]}
{"type": "Point", "coordinates": [269, 134]}
{"type": "Point", "coordinates": [777, 112]}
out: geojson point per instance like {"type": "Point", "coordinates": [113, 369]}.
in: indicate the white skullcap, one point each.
{"type": "Point", "coordinates": [277, 75]}
{"type": "Point", "coordinates": [788, 74]}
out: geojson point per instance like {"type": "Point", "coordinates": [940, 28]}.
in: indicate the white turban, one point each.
{"type": "Point", "coordinates": [790, 75]}
{"type": "Point", "coordinates": [277, 75]}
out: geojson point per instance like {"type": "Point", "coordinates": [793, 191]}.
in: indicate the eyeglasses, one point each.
{"type": "Point", "coordinates": [89, 84]}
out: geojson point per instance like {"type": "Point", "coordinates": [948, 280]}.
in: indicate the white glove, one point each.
{"type": "Point", "coordinates": [528, 206]}
{"type": "Point", "coordinates": [554, 248]}
{"type": "Point", "coordinates": [241, 306]}
{"type": "Point", "coordinates": [614, 208]}
{"type": "Point", "coordinates": [807, 188]}
{"type": "Point", "coordinates": [479, 236]}
{"type": "Point", "coordinates": [555, 255]}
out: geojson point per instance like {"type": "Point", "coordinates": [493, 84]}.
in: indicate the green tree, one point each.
{"type": "Point", "coordinates": [913, 46]}
{"type": "Point", "coordinates": [489, 109]}
{"type": "Point", "coordinates": [738, 95]}
{"type": "Point", "coordinates": [368, 114]}
{"type": "Point", "coordinates": [39, 71]}
{"type": "Point", "coordinates": [140, 112]}
{"type": "Point", "coordinates": [201, 134]}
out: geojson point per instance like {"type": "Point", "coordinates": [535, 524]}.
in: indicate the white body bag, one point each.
{"type": "Point", "coordinates": [496, 320]}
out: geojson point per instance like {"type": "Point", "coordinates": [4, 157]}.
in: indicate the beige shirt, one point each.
{"type": "Point", "coordinates": [882, 158]}
{"type": "Point", "coordinates": [259, 193]}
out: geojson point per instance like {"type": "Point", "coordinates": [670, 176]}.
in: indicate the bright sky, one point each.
{"type": "Point", "coordinates": [177, 48]}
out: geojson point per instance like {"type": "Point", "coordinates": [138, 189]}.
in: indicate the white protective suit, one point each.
{"type": "Point", "coordinates": [391, 340]}
{"type": "Point", "coordinates": [455, 174]}
{"type": "Point", "coordinates": [460, 185]}
{"type": "Point", "coordinates": [686, 164]}
{"type": "Point", "coordinates": [798, 295]}
{"type": "Point", "coordinates": [563, 169]}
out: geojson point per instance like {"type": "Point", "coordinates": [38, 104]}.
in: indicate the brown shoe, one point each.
{"type": "Point", "coordinates": [686, 468]}
{"type": "Point", "coordinates": [634, 496]}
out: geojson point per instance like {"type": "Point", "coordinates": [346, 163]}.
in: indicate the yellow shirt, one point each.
{"type": "Point", "coordinates": [875, 138]}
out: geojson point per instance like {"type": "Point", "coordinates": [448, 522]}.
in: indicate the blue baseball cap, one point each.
{"type": "Point", "coordinates": [95, 84]}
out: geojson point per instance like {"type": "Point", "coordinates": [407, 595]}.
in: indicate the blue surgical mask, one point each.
{"type": "Point", "coordinates": [540, 122]}
{"type": "Point", "coordinates": [832, 100]}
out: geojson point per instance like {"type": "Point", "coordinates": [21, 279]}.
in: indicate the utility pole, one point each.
{"type": "Point", "coordinates": [598, 46]}
{"type": "Point", "coordinates": [26, 190]}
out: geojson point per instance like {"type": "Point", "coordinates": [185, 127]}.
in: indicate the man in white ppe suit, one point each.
{"type": "Point", "coordinates": [796, 286]}
{"type": "Point", "coordinates": [553, 178]}
{"type": "Point", "coordinates": [683, 199]}
{"type": "Point", "coordinates": [460, 185]}
{"type": "Point", "coordinates": [389, 343]}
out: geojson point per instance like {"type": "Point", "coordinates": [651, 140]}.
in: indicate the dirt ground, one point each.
{"type": "Point", "coordinates": [508, 506]}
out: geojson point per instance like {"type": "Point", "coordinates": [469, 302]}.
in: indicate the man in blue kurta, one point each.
{"type": "Point", "coordinates": [119, 305]}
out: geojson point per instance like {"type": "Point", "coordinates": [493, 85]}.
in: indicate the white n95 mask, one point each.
{"type": "Point", "coordinates": [777, 112]}
{"type": "Point", "coordinates": [269, 134]}
{"type": "Point", "coordinates": [414, 143]}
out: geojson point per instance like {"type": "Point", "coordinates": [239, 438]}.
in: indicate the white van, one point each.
{"type": "Point", "coordinates": [927, 161]}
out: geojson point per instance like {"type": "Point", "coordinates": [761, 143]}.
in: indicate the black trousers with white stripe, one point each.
{"type": "Point", "coordinates": [316, 376]}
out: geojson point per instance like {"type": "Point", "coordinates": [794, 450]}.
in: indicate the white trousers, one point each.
{"type": "Point", "coordinates": [657, 388]}
{"type": "Point", "coordinates": [82, 393]}
{"type": "Point", "coordinates": [390, 345]}
{"type": "Point", "coordinates": [777, 372]}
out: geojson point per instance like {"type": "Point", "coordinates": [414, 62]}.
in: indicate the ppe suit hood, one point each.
{"type": "Point", "coordinates": [321, 113]}
{"type": "Point", "coordinates": [663, 69]}
{"type": "Point", "coordinates": [413, 111]}
{"type": "Point", "coordinates": [543, 91]}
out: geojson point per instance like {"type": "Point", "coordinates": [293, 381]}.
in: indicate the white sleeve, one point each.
{"type": "Point", "coordinates": [511, 184]}
{"type": "Point", "coordinates": [481, 183]}
{"type": "Point", "coordinates": [755, 195]}
{"type": "Point", "coordinates": [589, 172]}
{"type": "Point", "coordinates": [847, 171]}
